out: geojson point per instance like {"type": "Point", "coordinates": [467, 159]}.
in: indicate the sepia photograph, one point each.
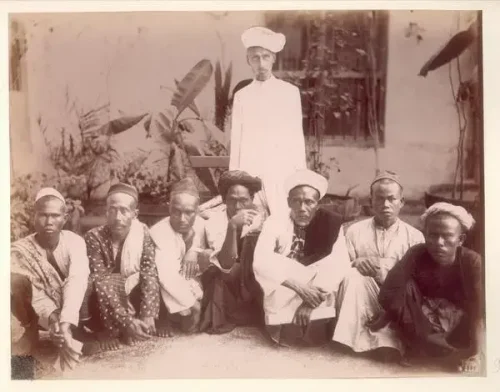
{"type": "Point", "coordinates": [246, 194]}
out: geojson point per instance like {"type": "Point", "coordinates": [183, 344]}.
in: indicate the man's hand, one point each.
{"type": "Point", "coordinates": [303, 315]}
{"type": "Point", "coordinates": [55, 332]}
{"type": "Point", "coordinates": [188, 238]}
{"type": "Point", "coordinates": [204, 259]}
{"type": "Point", "coordinates": [243, 217]}
{"type": "Point", "coordinates": [190, 266]}
{"type": "Point", "coordinates": [65, 329]}
{"type": "Point", "coordinates": [366, 266]}
{"type": "Point", "coordinates": [138, 330]}
{"type": "Point", "coordinates": [312, 295]}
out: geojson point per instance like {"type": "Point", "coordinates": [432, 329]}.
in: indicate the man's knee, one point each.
{"type": "Point", "coordinates": [20, 286]}
{"type": "Point", "coordinates": [354, 280]}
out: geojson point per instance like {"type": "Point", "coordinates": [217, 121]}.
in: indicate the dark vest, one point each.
{"type": "Point", "coordinates": [321, 234]}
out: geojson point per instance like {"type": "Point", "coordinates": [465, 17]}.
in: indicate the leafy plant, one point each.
{"type": "Point", "coordinates": [323, 75]}
{"type": "Point", "coordinates": [189, 136]}
{"type": "Point", "coordinates": [22, 196]}
{"type": "Point", "coordinates": [465, 96]}
{"type": "Point", "coordinates": [222, 92]}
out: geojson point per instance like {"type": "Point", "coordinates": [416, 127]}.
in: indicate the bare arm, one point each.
{"type": "Point", "coordinates": [229, 251]}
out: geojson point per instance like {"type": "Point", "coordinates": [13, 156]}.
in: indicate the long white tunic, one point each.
{"type": "Point", "coordinates": [272, 267]}
{"type": "Point", "coordinates": [177, 292]}
{"type": "Point", "coordinates": [267, 139]}
{"type": "Point", "coordinates": [358, 296]}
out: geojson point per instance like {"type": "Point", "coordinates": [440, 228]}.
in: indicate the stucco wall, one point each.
{"type": "Point", "coordinates": [125, 58]}
{"type": "Point", "coordinates": [420, 121]}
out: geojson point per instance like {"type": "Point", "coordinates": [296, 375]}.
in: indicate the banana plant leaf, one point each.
{"type": "Point", "coordinates": [116, 126]}
{"type": "Point", "coordinates": [191, 85]}
{"type": "Point", "coordinates": [222, 99]}
{"type": "Point", "coordinates": [192, 105]}
{"type": "Point", "coordinates": [451, 50]}
{"type": "Point", "coordinates": [161, 123]}
{"type": "Point", "coordinates": [228, 79]}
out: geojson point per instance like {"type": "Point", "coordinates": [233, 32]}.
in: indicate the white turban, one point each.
{"type": "Point", "coordinates": [265, 38]}
{"type": "Point", "coordinates": [459, 213]}
{"type": "Point", "coordinates": [309, 178]}
{"type": "Point", "coordinates": [49, 192]}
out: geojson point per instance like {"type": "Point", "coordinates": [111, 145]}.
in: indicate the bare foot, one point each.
{"type": "Point", "coordinates": [130, 340]}
{"type": "Point", "coordinates": [439, 339]}
{"type": "Point", "coordinates": [108, 343]}
{"type": "Point", "coordinates": [190, 323]}
{"type": "Point", "coordinates": [470, 365]}
{"type": "Point", "coordinates": [164, 331]}
{"type": "Point", "coordinates": [27, 343]}
{"type": "Point", "coordinates": [163, 328]}
{"type": "Point", "coordinates": [91, 348]}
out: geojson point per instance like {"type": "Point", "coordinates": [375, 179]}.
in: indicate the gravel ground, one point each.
{"type": "Point", "coordinates": [243, 353]}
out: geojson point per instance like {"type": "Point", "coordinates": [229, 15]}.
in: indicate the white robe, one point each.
{"type": "Point", "coordinates": [267, 139]}
{"type": "Point", "coordinates": [177, 292]}
{"type": "Point", "coordinates": [358, 296]}
{"type": "Point", "coordinates": [272, 267]}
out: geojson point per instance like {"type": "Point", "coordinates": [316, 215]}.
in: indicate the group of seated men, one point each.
{"type": "Point", "coordinates": [381, 285]}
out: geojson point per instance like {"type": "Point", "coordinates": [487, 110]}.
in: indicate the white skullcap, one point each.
{"type": "Point", "coordinates": [265, 38]}
{"type": "Point", "coordinates": [49, 192]}
{"type": "Point", "coordinates": [460, 213]}
{"type": "Point", "coordinates": [309, 178]}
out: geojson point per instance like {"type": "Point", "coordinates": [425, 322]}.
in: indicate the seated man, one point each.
{"type": "Point", "coordinates": [179, 238]}
{"type": "Point", "coordinates": [122, 265]}
{"type": "Point", "coordinates": [231, 296]}
{"type": "Point", "coordinates": [49, 279]}
{"type": "Point", "coordinates": [434, 295]}
{"type": "Point", "coordinates": [300, 261]}
{"type": "Point", "coordinates": [374, 246]}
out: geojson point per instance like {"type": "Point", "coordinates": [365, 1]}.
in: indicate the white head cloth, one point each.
{"type": "Point", "coordinates": [309, 178]}
{"type": "Point", "coordinates": [460, 213]}
{"type": "Point", "coordinates": [265, 38]}
{"type": "Point", "coordinates": [49, 192]}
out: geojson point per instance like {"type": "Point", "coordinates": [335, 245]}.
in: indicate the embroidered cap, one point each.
{"type": "Point", "coordinates": [387, 175]}
{"type": "Point", "coordinates": [309, 178]}
{"type": "Point", "coordinates": [49, 192]}
{"type": "Point", "coordinates": [263, 37]}
{"type": "Point", "coordinates": [124, 188]}
{"type": "Point", "coordinates": [186, 185]}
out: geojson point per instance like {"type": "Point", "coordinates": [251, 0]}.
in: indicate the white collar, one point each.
{"type": "Point", "coordinates": [390, 229]}
{"type": "Point", "coordinates": [266, 82]}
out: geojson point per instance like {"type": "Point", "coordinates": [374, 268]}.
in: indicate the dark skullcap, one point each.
{"type": "Point", "coordinates": [238, 177]}
{"type": "Point", "coordinates": [124, 188]}
{"type": "Point", "coordinates": [186, 185]}
{"type": "Point", "coordinates": [387, 175]}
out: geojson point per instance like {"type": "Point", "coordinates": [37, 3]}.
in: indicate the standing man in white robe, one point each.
{"type": "Point", "coordinates": [300, 261]}
{"type": "Point", "coordinates": [267, 138]}
{"type": "Point", "coordinates": [375, 245]}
